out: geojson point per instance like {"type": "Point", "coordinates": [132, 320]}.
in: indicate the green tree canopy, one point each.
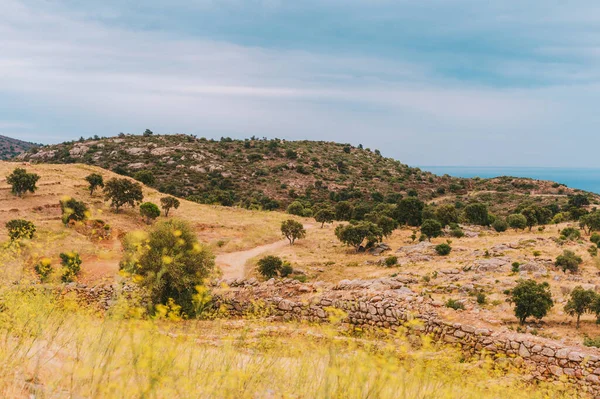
{"type": "Point", "coordinates": [517, 221]}
{"type": "Point", "coordinates": [22, 182]}
{"type": "Point", "coordinates": [95, 181]}
{"type": "Point", "coordinates": [354, 234]}
{"type": "Point", "coordinates": [150, 211]}
{"type": "Point", "coordinates": [123, 192]}
{"type": "Point", "coordinates": [73, 210]}
{"type": "Point", "coordinates": [292, 230]}
{"type": "Point", "coordinates": [581, 301]}
{"type": "Point", "coordinates": [446, 215]}
{"type": "Point", "coordinates": [569, 260]}
{"type": "Point", "coordinates": [168, 203]}
{"type": "Point", "coordinates": [531, 299]}
{"type": "Point", "coordinates": [20, 228]}
{"type": "Point", "coordinates": [409, 211]}
{"type": "Point", "coordinates": [431, 228]}
{"type": "Point", "coordinates": [325, 215]}
{"type": "Point", "coordinates": [477, 214]}
{"type": "Point", "coordinates": [145, 176]}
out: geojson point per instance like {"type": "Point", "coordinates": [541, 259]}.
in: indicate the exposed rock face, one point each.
{"type": "Point", "coordinates": [78, 150]}
{"type": "Point", "coordinates": [491, 265]}
{"type": "Point", "coordinates": [43, 155]}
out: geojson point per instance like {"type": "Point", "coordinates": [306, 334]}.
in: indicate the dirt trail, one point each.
{"type": "Point", "coordinates": [233, 264]}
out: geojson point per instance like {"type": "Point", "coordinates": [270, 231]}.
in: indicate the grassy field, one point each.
{"type": "Point", "coordinates": [51, 348]}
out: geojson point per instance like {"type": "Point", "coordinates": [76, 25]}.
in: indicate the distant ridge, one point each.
{"type": "Point", "coordinates": [10, 148]}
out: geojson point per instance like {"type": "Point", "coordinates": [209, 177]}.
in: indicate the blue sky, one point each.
{"type": "Point", "coordinates": [446, 82]}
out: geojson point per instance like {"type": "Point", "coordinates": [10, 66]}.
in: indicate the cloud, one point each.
{"type": "Point", "coordinates": [445, 99]}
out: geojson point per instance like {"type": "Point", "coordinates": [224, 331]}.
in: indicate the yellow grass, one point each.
{"type": "Point", "coordinates": [53, 349]}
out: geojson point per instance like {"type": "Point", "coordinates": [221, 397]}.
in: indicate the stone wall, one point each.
{"type": "Point", "coordinates": [392, 304]}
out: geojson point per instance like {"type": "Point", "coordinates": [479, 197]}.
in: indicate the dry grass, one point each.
{"type": "Point", "coordinates": [53, 349]}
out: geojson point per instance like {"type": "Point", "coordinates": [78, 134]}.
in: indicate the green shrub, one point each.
{"type": "Point", "coordinates": [481, 298]}
{"type": "Point", "coordinates": [531, 299]}
{"type": "Point", "coordinates": [591, 342]}
{"type": "Point", "coordinates": [568, 261]}
{"type": "Point", "coordinates": [443, 249]}
{"type": "Point", "coordinates": [19, 228]}
{"type": "Point", "coordinates": [71, 263]}
{"type": "Point", "coordinates": [22, 182]}
{"type": "Point", "coordinates": [286, 269]}
{"type": "Point", "coordinates": [457, 232]}
{"type": "Point", "coordinates": [570, 233]}
{"type": "Point", "coordinates": [295, 208]}
{"type": "Point", "coordinates": [150, 211]}
{"type": "Point", "coordinates": [431, 228]}
{"type": "Point", "coordinates": [391, 260]}
{"type": "Point", "coordinates": [517, 221]}
{"type": "Point", "coordinates": [515, 267]}
{"type": "Point", "coordinates": [454, 304]}
{"type": "Point", "coordinates": [73, 210]}
{"type": "Point", "coordinates": [95, 181]}
{"type": "Point", "coordinates": [595, 238]}
{"type": "Point", "coordinates": [270, 266]}
{"type": "Point", "coordinates": [500, 225]}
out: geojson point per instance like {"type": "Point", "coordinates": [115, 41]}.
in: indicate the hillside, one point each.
{"type": "Point", "coordinates": [10, 148]}
{"type": "Point", "coordinates": [270, 174]}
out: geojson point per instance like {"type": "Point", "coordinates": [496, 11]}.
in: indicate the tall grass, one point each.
{"type": "Point", "coordinates": [52, 348]}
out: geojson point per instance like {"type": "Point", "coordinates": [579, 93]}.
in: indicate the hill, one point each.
{"type": "Point", "coordinates": [271, 174]}
{"type": "Point", "coordinates": [10, 148]}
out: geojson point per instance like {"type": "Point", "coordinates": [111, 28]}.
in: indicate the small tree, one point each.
{"type": "Point", "coordinates": [443, 249]}
{"type": "Point", "coordinates": [73, 210]}
{"type": "Point", "coordinates": [295, 208]}
{"type": "Point", "coordinates": [431, 228]}
{"type": "Point", "coordinates": [123, 192]}
{"type": "Point", "coordinates": [150, 211]}
{"type": "Point", "coordinates": [19, 228]}
{"type": "Point", "coordinates": [270, 266]}
{"type": "Point", "coordinates": [595, 238]}
{"type": "Point", "coordinates": [167, 203]}
{"type": "Point", "coordinates": [517, 221]}
{"type": "Point", "coordinates": [409, 211]}
{"type": "Point", "coordinates": [530, 214]}
{"type": "Point", "coordinates": [581, 301]}
{"type": "Point", "coordinates": [325, 215]}
{"type": "Point", "coordinates": [568, 261]}
{"type": "Point", "coordinates": [95, 181]}
{"type": "Point", "coordinates": [343, 210]}
{"type": "Point", "coordinates": [292, 230]}
{"type": "Point", "coordinates": [355, 234]}
{"type": "Point", "coordinates": [22, 182]}
{"type": "Point", "coordinates": [531, 299]}
{"type": "Point", "coordinates": [71, 263]}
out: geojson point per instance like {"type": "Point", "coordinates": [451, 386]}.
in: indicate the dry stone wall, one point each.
{"type": "Point", "coordinates": [389, 303]}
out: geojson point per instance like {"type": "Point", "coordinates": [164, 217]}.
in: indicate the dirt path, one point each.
{"type": "Point", "coordinates": [233, 264]}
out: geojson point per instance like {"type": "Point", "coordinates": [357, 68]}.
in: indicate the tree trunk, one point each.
{"type": "Point", "coordinates": [578, 318]}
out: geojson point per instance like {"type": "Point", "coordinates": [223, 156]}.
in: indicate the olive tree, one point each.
{"type": "Point", "coordinates": [325, 215]}
{"type": "Point", "coordinates": [22, 182]}
{"type": "Point", "coordinates": [95, 181]}
{"type": "Point", "coordinates": [354, 234]}
{"type": "Point", "coordinates": [292, 230]}
{"type": "Point", "coordinates": [531, 299]}
{"type": "Point", "coordinates": [581, 301]}
{"type": "Point", "coordinates": [123, 192]}
{"type": "Point", "coordinates": [168, 203]}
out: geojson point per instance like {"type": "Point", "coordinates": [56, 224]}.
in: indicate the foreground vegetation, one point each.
{"type": "Point", "coordinates": [53, 348]}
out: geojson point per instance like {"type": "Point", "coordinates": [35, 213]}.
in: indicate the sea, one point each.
{"type": "Point", "coordinates": [587, 179]}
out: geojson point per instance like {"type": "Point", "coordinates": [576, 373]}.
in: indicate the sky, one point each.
{"type": "Point", "coordinates": [428, 82]}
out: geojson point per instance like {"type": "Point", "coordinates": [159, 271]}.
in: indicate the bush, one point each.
{"type": "Point", "coordinates": [454, 304]}
{"type": "Point", "coordinates": [355, 234]}
{"type": "Point", "coordinates": [270, 266]}
{"type": "Point", "coordinates": [431, 228]}
{"type": "Point", "coordinates": [295, 208]}
{"type": "Point", "coordinates": [531, 299]}
{"type": "Point", "coordinates": [286, 269]}
{"type": "Point", "coordinates": [43, 268]}
{"type": "Point", "coordinates": [515, 267]}
{"type": "Point", "coordinates": [71, 263]}
{"type": "Point", "coordinates": [443, 249]}
{"type": "Point", "coordinates": [391, 260]}
{"type": "Point", "coordinates": [517, 221]}
{"type": "Point", "coordinates": [595, 238]}
{"type": "Point", "coordinates": [19, 228]}
{"type": "Point", "coordinates": [568, 261]}
{"type": "Point", "coordinates": [150, 211]}
{"type": "Point", "coordinates": [457, 232]}
{"type": "Point", "coordinates": [73, 210]}
{"type": "Point", "coordinates": [481, 298]}
{"type": "Point", "coordinates": [591, 342]}
{"type": "Point", "coordinates": [22, 182]}
{"type": "Point", "coordinates": [570, 233]}
{"type": "Point", "coordinates": [292, 230]}
{"type": "Point", "coordinates": [170, 263]}
{"type": "Point", "coordinates": [500, 225]}
{"type": "Point", "coordinates": [477, 214]}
